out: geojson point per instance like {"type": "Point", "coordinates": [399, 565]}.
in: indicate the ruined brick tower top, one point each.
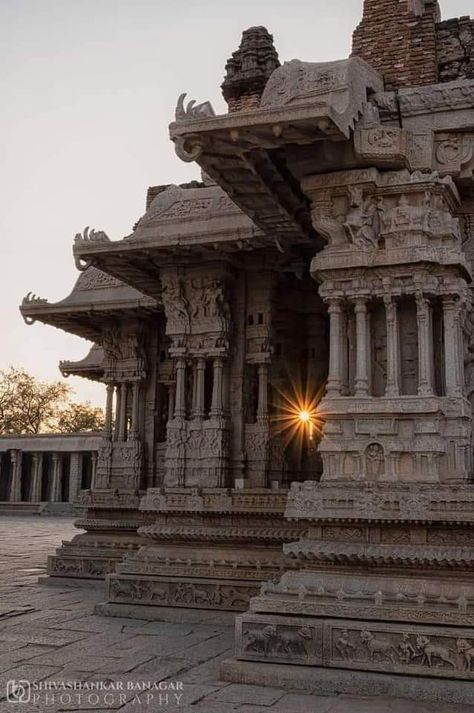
{"type": "Point", "coordinates": [249, 68]}
{"type": "Point", "coordinates": [398, 38]}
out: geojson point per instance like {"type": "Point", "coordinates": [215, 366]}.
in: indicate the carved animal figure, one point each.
{"type": "Point", "coordinates": [434, 651]}
{"type": "Point", "coordinates": [381, 648]}
{"type": "Point", "coordinates": [465, 648]}
{"type": "Point", "coordinates": [260, 640]}
{"type": "Point", "coordinates": [293, 642]}
{"type": "Point", "coordinates": [200, 596]}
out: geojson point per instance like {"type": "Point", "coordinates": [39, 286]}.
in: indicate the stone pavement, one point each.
{"type": "Point", "coordinates": [78, 661]}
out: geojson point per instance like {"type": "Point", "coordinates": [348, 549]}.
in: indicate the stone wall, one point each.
{"type": "Point", "coordinates": [455, 49]}
{"type": "Point", "coordinates": [398, 38]}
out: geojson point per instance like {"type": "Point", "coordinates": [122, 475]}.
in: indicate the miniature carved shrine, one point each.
{"type": "Point", "coordinates": [288, 352]}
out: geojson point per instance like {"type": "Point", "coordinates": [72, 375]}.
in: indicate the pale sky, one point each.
{"type": "Point", "coordinates": [88, 89]}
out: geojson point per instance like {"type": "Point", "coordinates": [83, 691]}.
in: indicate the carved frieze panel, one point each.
{"type": "Point", "coordinates": [389, 648]}
{"type": "Point", "coordinates": [370, 211]}
{"type": "Point", "coordinates": [180, 593]}
{"type": "Point", "coordinates": [88, 568]}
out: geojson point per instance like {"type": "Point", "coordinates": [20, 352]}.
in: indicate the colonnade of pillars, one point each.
{"type": "Point", "coordinates": [453, 348]}
{"type": "Point", "coordinates": [29, 482]}
{"type": "Point", "coordinates": [122, 401]}
{"type": "Point", "coordinates": [178, 400]}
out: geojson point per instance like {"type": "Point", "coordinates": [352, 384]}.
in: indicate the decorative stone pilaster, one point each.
{"type": "Point", "coordinates": [56, 480]}
{"type": "Point", "coordinates": [108, 410]}
{"type": "Point", "coordinates": [362, 347]}
{"type": "Point", "coordinates": [35, 494]}
{"type": "Point", "coordinates": [335, 347]}
{"type": "Point", "coordinates": [15, 485]}
{"type": "Point", "coordinates": [452, 346]}
{"type": "Point", "coordinates": [425, 346]}
{"type": "Point", "coordinates": [262, 408]}
{"type": "Point", "coordinates": [94, 470]}
{"type": "Point", "coordinates": [123, 412]}
{"type": "Point", "coordinates": [180, 401]}
{"type": "Point", "coordinates": [74, 475]}
{"type": "Point", "coordinates": [134, 428]}
{"type": "Point", "coordinates": [392, 388]}
{"type": "Point", "coordinates": [118, 409]}
{"type": "Point", "coordinates": [199, 376]}
{"type": "Point", "coordinates": [171, 395]}
{"type": "Point", "coordinates": [217, 405]}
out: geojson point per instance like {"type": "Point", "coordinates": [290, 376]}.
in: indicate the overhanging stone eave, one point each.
{"type": "Point", "coordinates": [316, 117]}
{"type": "Point", "coordinates": [69, 369]}
{"type": "Point", "coordinates": [246, 142]}
{"type": "Point", "coordinates": [84, 320]}
{"type": "Point", "coordinates": [138, 262]}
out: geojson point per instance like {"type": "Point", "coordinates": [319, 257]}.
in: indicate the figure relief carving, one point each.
{"type": "Point", "coordinates": [374, 461]}
{"type": "Point", "coordinates": [466, 649]}
{"type": "Point", "coordinates": [125, 355]}
{"type": "Point", "coordinates": [210, 302]}
{"type": "Point", "coordinates": [362, 222]}
{"type": "Point", "coordinates": [405, 650]}
{"type": "Point", "coordinates": [344, 646]}
{"type": "Point", "coordinates": [175, 304]}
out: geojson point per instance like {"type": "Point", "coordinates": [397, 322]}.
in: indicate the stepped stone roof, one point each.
{"type": "Point", "coordinates": [91, 367]}
{"type": "Point", "coordinates": [95, 296]}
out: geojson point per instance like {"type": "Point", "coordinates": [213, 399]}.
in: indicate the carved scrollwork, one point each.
{"type": "Point", "coordinates": [91, 236]}
{"type": "Point", "coordinates": [192, 110]}
{"type": "Point", "coordinates": [188, 148]}
{"type": "Point", "coordinates": [31, 298]}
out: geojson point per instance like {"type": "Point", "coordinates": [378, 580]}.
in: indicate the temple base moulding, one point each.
{"type": "Point", "coordinates": [331, 682]}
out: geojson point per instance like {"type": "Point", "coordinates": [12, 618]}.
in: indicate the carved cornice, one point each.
{"type": "Point", "coordinates": [109, 499]}
{"type": "Point", "coordinates": [220, 533]}
{"type": "Point", "coordinates": [392, 502]}
{"type": "Point", "coordinates": [312, 551]}
{"type": "Point", "coordinates": [214, 500]}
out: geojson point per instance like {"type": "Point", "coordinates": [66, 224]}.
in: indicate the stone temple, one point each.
{"type": "Point", "coordinates": [322, 269]}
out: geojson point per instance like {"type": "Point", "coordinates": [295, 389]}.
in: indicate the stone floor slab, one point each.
{"type": "Point", "coordinates": [241, 693]}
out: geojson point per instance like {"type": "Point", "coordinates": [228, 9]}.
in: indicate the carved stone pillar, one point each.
{"type": "Point", "coordinates": [262, 408]}
{"type": "Point", "coordinates": [335, 347]}
{"type": "Point", "coordinates": [171, 395]}
{"type": "Point", "coordinates": [362, 348]}
{"type": "Point", "coordinates": [180, 402]}
{"type": "Point", "coordinates": [35, 494]}
{"type": "Point", "coordinates": [94, 469]}
{"type": "Point", "coordinates": [15, 484]}
{"type": "Point", "coordinates": [452, 346]}
{"type": "Point", "coordinates": [392, 387]}
{"type": "Point", "coordinates": [134, 428]}
{"type": "Point", "coordinates": [217, 406]}
{"type": "Point", "coordinates": [123, 412]}
{"type": "Point", "coordinates": [56, 480]}
{"type": "Point", "coordinates": [424, 320]}
{"type": "Point", "coordinates": [75, 469]}
{"type": "Point", "coordinates": [199, 376]}
{"type": "Point", "coordinates": [108, 410]}
{"type": "Point", "coordinates": [118, 402]}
